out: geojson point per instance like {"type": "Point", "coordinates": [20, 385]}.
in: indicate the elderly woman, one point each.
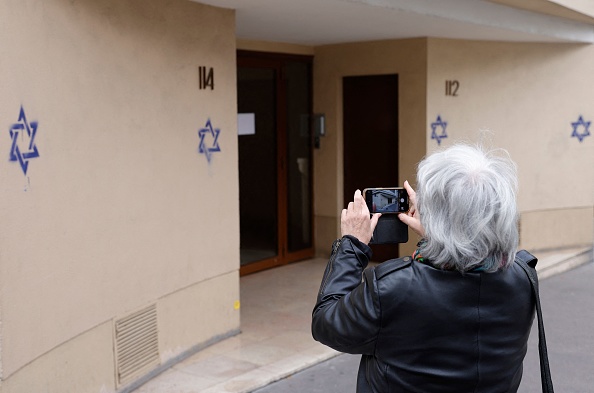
{"type": "Point", "coordinates": [454, 317]}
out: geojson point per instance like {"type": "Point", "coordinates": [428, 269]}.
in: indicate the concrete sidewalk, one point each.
{"type": "Point", "coordinates": [276, 341]}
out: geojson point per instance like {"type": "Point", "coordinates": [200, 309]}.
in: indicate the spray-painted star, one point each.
{"type": "Point", "coordinates": [576, 125]}
{"type": "Point", "coordinates": [443, 125]}
{"type": "Point", "coordinates": [17, 132]}
{"type": "Point", "coordinates": [214, 132]}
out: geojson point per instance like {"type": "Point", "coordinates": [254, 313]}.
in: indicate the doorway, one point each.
{"type": "Point", "coordinates": [370, 122]}
{"type": "Point", "coordinates": [274, 98]}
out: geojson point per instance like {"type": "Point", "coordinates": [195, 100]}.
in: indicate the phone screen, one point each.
{"type": "Point", "coordinates": [386, 200]}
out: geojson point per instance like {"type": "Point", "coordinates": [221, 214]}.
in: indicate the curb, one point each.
{"type": "Point", "coordinates": [553, 263]}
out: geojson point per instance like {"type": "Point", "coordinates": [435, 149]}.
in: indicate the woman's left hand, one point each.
{"type": "Point", "coordinates": [355, 220]}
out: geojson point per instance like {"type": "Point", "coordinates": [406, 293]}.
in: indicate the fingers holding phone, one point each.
{"type": "Point", "coordinates": [355, 220]}
{"type": "Point", "coordinates": [412, 217]}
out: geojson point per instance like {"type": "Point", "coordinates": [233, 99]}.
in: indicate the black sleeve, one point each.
{"type": "Point", "coordinates": [347, 313]}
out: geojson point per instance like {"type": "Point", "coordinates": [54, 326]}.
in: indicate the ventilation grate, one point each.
{"type": "Point", "coordinates": [136, 344]}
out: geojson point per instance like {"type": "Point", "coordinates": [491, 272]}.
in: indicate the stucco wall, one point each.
{"type": "Point", "coordinates": [527, 96]}
{"type": "Point", "coordinates": [522, 97]}
{"type": "Point", "coordinates": [119, 210]}
{"type": "Point", "coordinates": [407, 58]}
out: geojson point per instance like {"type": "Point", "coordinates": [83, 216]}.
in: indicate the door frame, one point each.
{"type": "Point", "coordinates": [276, 61]}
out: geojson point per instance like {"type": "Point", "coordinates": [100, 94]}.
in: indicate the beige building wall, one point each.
{"type": "Point", "coordinates": [524, 98]}
{"type": "Point", "coordinates": [408, 59]}
{"type": "Point", "coordinates": [120, 211]}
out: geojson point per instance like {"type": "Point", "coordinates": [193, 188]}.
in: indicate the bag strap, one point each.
{"type": "Point", "coordinates": [527, 262]}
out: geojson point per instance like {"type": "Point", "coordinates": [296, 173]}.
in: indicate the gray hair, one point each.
{"type": "Point", "coordinates": [466, 199]}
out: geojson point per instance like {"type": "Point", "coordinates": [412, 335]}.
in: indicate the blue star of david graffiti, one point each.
{"type": "Point", "coordinates": [214, 132]}
{"type": "Point", "coordinates": [576, 125]}
{"type": "Point", "coordinates": [443, 134]}
{"type": "Point", "coordinates": [17, 133]}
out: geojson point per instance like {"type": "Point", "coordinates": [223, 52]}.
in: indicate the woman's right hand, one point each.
{"type": "Point", "coordinates": [412, 218]}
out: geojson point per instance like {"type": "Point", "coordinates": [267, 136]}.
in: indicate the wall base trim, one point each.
{"type": "Point", "coordinates": [178, 359]}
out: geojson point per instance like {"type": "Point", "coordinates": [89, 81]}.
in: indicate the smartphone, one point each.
{"type": "Point", "coordinates": [386, 200]}
{"type": "Point", "coordinates": [389, 201]}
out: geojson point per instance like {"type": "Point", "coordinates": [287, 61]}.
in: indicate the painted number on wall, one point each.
{"type": "Point", "coordinates": [206, 77]}
{"type": "Point", "coordinates": [451, 88]}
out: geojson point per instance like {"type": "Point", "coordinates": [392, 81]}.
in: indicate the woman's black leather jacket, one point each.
{"type": "Point", "coordinates": [421, 329]}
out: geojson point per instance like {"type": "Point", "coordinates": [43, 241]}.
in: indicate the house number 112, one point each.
{"type": "Point", "coordinates": [451, 88]}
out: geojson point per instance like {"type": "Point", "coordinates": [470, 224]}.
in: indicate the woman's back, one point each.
{"type": "Point", "coordinates": [447, 332]}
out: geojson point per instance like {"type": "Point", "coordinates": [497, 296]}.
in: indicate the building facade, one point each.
{"type": "Point", "coordinates": [124, 186]}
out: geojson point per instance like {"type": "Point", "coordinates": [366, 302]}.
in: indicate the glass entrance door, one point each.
{"type": "Point", "coordinates": [258, 195]}
{"type": "Point", "coordinates": [275, 150]}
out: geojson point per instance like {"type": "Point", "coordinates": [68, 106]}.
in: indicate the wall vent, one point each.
{"type": "Point", "coordinates": [136, 344]}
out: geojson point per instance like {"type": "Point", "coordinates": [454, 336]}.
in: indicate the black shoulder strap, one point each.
{"type": "Point", "coordinates": [527, 262]}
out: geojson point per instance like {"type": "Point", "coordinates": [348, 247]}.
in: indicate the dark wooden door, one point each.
{"type": "Point", "coordinates": [370, 121]}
